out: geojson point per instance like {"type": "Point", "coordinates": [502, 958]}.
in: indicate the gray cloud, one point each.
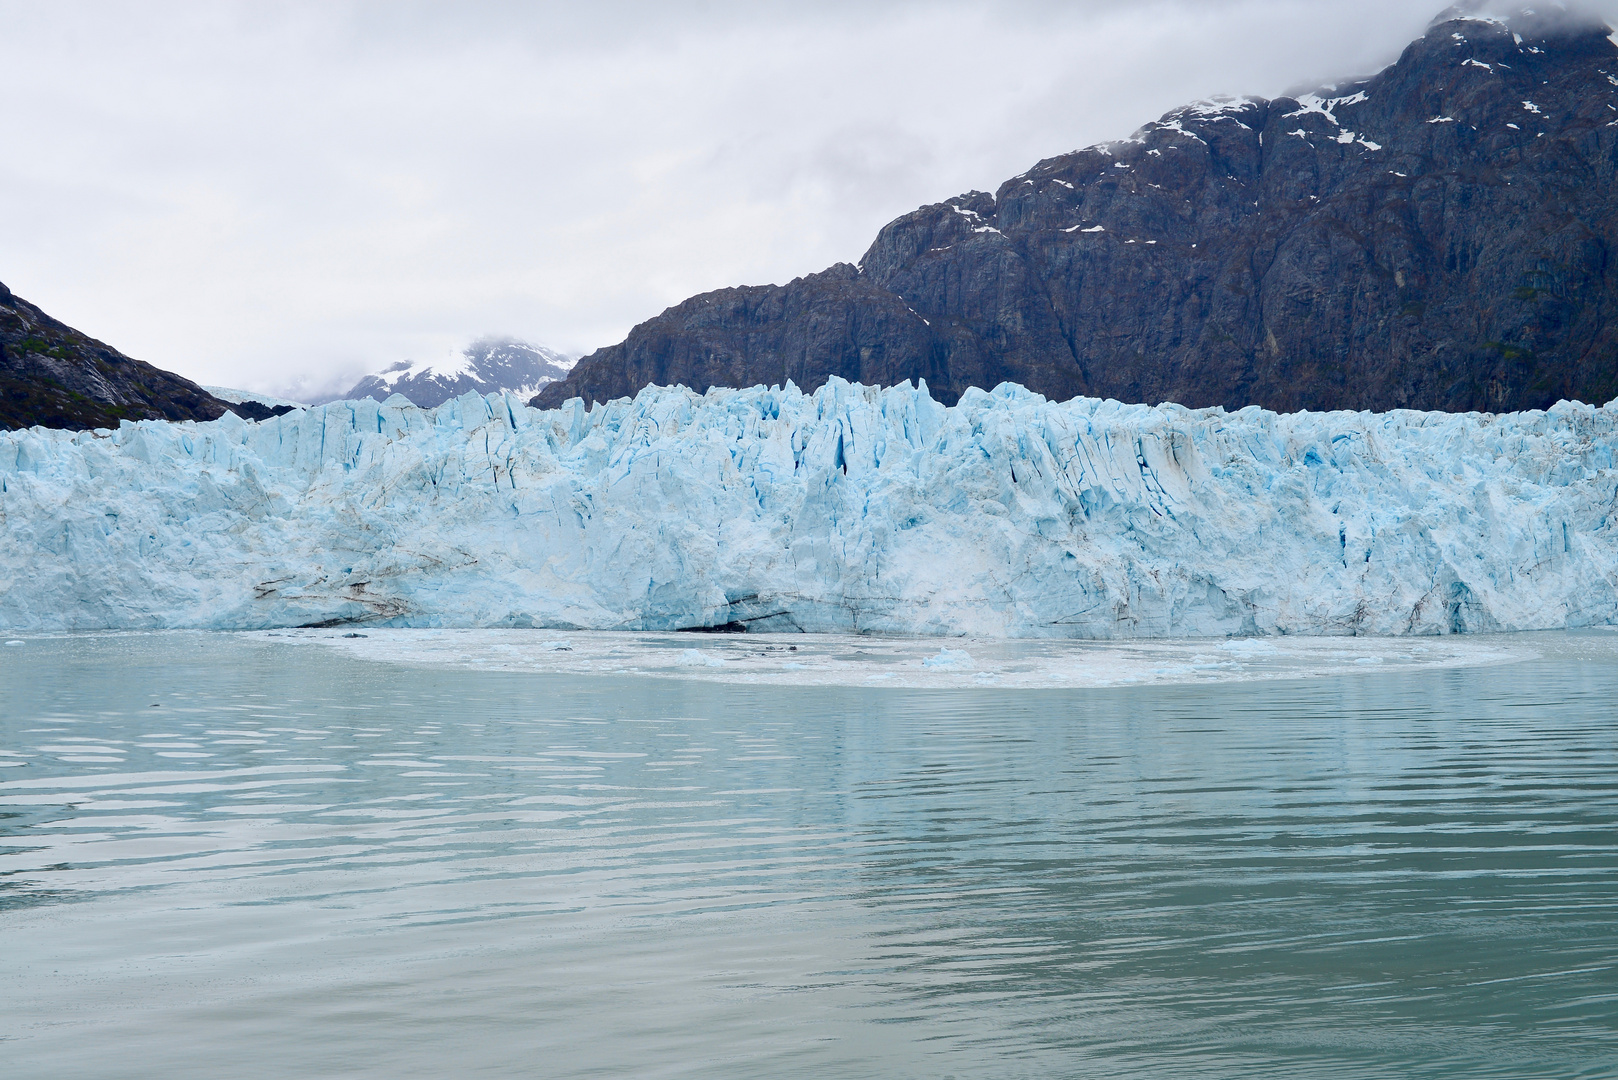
{"type": "Point", "coordinates": [276, 196]}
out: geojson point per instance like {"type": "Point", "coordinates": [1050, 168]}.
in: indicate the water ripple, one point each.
{"type": "Point", "coordinates": [394, 869]}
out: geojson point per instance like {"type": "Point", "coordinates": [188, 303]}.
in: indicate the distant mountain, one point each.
{"type": "Point", "coordinates": [487, 366]}
{"type": "Point", "coordinates": [54, 376]}
{"type": "Point", "coordinates": [234, 397]}
{"type": "Point", "coordinates": [1443, 235]}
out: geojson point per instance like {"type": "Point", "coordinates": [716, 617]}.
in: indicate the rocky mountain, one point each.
{"type": "Point", "coordinates": [1441, 235]}
{"type": "Point", "coordinates": [54, 376]}
{"type": "Point", "coordinates": [488, 366]}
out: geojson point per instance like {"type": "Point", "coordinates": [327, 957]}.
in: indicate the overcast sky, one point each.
{"type": "Point", "coordinates": [282, 196]}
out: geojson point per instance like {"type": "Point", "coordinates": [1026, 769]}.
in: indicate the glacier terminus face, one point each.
{"type": "Point", "coordinates": [851, 510]}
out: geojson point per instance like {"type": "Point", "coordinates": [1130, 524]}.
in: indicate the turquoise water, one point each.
{"type": "Point", "coordinates": [232, 855]}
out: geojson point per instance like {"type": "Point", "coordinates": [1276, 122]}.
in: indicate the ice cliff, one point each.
{"type": "Point", "coordinates": [852, 509]}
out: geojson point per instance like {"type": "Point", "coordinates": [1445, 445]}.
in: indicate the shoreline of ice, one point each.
{"type": "Point", "coordinates": [851, 510]}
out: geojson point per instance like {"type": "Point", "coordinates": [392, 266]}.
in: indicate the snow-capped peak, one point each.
{"type": "Point", "coordinates": [489, 365]}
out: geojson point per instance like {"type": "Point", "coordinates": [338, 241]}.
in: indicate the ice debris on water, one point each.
{"type": "Point", "coordinates": [852, 509]}
{"type": "Point", "coordinates": [15, 642]}
{"type": "Point", "coordinates": [695, 658]}
{"type": "Point", "coordinates": [948, 658]}
{"type": "Point", "coordinates": [1249, 647]}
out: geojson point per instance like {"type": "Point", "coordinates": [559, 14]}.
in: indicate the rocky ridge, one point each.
{"type": "Point", "coordinates": [1438, 236]}
{"type": "Point", "coordinates": [54, 376]}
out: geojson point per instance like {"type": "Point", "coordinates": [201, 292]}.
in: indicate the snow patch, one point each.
{"type": "Point", "coordinates": [1219, 107]}
{"type": "Point", "coordinates": [1327, 107]}
{"type": "Point", "coordinates": [1176, 127]}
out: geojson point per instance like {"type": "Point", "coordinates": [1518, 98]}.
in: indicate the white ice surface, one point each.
{"type": "Point", "coordinates": [849, 510]}
{"type": "Point", "coordinates": [912, 663]}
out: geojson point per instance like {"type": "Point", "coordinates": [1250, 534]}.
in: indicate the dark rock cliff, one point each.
{"type": "Point", "coordinates": [54, 376]}
{"type": "Point", "coordinates": [1439, 236]}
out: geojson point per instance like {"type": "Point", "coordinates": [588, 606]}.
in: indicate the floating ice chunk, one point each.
{"type": "Point", "coordinates": [953, 659]}
{"type": "Point", "coordinates": [1249, 647]}
{"type": "Point", "coordinates": [15, 642]}
{"type": "Point", "coordinates": [696, 658]}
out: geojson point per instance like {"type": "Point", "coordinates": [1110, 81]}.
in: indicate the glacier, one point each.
{"type": "Point", "coordinates": [849, 510]}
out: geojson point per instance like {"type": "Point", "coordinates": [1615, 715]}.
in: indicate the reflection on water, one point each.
{"type": "Point", "coordinates": [230, 855]}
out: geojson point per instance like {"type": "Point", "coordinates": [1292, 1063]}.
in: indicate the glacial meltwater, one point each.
{"type": "Point", "coordinates": [525, 853]}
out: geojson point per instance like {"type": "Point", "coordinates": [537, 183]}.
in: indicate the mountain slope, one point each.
{"type": "Point", "coordinates": [488, 366]}
{"type": "Point", "coordinates": [52, 375]}
{"type": "Point", "coordinates": [1439, 236]}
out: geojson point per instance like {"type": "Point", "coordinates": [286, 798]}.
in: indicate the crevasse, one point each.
{"type": "Point", "coordinates": [850, 509]}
